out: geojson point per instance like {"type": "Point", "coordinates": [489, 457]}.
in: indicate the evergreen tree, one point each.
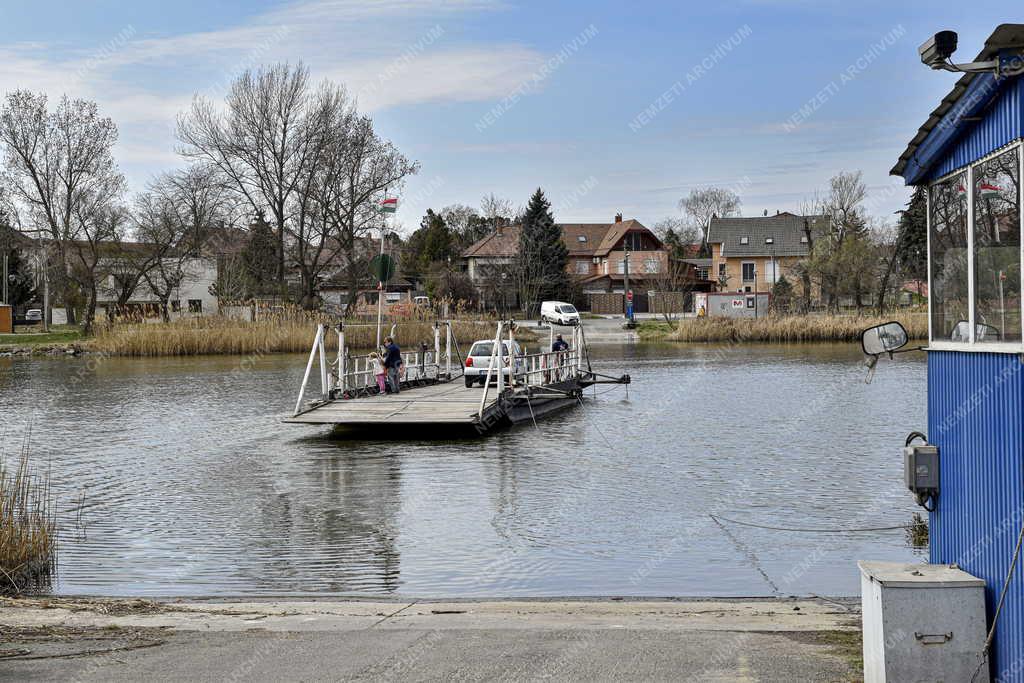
{"type": "Point", "coordinates": [782, 296]}
{"type": "Point", "coordinates": [432, 243]}
{"type": "Point", "coordinates": [259, 257]}
{"type": "Point", "coordinates": [540, 267]}
{"type": "Point", "coordinates": [20, 286]}
{"type": "Point", "coordinates": [912, 240]}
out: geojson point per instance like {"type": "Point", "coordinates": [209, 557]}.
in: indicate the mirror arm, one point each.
{"type": "Point", "coordinates": [916, 348]}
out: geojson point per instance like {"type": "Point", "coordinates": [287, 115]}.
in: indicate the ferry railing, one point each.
{"type": "Point", "coordinates": [530, 370]}
{"type": "Point", "coordinates": [348, 373]}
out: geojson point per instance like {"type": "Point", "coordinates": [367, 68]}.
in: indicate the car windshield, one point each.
{"type": "Point", "coordinates": [486, 349]}
{"type": "Point", "coordinates": [566, 309]}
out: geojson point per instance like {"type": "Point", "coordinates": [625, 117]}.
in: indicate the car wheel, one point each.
{"type": "Point", "coordinates": [470, 381]}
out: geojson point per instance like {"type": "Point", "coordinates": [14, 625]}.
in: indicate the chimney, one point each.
{"type": "Point", "coordinates": [777, 212]}
{"type": "Point", "coordinates": [618, 218]}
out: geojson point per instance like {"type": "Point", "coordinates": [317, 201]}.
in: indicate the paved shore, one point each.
{"type": "Point", "coordinates": [701, 640]}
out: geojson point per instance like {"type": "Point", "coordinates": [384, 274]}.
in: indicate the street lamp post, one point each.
{"type": "Point", "coordinates": [625, 284]}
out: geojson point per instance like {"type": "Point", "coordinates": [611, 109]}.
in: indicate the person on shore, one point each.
{"type": "Point", "coordinates": [377, 363]}
{"type": "Point", "coordinates": [559, 345]}
{"type": "Point", "coordinates": [393, 364]}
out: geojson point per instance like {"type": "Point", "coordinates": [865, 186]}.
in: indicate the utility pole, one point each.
{"type": "Point", "coordinates": [6, 300]}
{"type": "Point", "coordinates": [625, 284]}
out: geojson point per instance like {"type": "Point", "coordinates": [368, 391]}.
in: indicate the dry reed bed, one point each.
{"type": "Point", "coordinates": [28, 530]}
{"type": "Point", "coordinates": [285, 334]}
{"type": "Point", "coordinates": [791, 328]}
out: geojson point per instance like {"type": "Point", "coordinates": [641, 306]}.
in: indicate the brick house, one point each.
{"type": "Point", "coordinates": [597, 259]}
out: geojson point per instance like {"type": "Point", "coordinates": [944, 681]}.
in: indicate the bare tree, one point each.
{"type": "Point", "coordinates": [364, 167]}
{"type": "Point", "coordinates": [64, 183]}
{"type": "Point", "coordinates": [259, 143]}
{"type": "Point", "coordinates": [701, 205]}
{"type": "Point", "coordinates": [173, 220]}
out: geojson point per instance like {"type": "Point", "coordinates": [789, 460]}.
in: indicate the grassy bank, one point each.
{"type": "Point", "coordinates": [780, 329]}
{"type": "Point", "coordinates": [28, 535]}
{"type": "Point", "coordinates": [32, 336]}
{"type": "Point", "coordinates": [287, 334]}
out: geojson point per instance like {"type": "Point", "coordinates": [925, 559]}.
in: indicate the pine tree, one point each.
{"type": "Point", "coordinates": [432, 243]}
{"type": "Point", "coordinates": [541, 263]}
{"type": "Point", "coordinates": [912, 240]}
{"type": "Point", "coordinates": [782, 296]}
{"type": "Point", "coordinates": [259, 256]}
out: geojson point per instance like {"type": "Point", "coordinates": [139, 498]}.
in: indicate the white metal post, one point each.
{"type": "Point", "coordinates": [342, 359]}
{"type": "Point", "coordinates": [511, 356]}
{"type": "Point", "coordinates": [448, 348]}
{"type": "Point", "coordinates": [437, 348]}
{"type": "Point", "coordinates": [501, 361]}
{"type": "Point", "coordinates": [309, 369]}
{"type": "Point", "coordinates": [325, 385]}
{"type": "Point", "coordinates": [490, 366]}
{"type": "Point", "coordinates": [970, 253]}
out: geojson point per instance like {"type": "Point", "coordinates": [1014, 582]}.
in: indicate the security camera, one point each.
{"type": "Point", "coordinates": [937, 50]}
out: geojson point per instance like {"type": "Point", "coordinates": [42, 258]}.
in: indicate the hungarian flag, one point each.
{"type": "Point", "coordinates": [389, 206]}
{"type": "Point", "coordinates": [989, 191]}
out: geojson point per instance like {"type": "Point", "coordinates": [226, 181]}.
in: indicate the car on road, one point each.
{"type": "Point", "coordinates": [559, 313]}
{"type": "Point", "coordinates": [33, 315]}
{"type": "Point", "coordinates": [478, 361]}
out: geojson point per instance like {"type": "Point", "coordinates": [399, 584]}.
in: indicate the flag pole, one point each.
{"type": "Point", "coordinates": [380, 283]}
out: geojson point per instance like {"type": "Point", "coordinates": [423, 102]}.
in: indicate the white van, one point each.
{"type": "Point", "coordinates": [559, 313]}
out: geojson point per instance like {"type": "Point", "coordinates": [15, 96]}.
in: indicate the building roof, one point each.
{"type": "Point", "coordinates": [598, 239]}
{"type": "Point", "coordinates": [502, 242]}
{"type": "Point", "coordinates": [747, 236]}
{"type": "Point", "coordinates": [1005, 36]}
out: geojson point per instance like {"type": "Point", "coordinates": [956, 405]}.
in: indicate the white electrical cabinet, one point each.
{"type": "Point", "coordinates": [922, 622]}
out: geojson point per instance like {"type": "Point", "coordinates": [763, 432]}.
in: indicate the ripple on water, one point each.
{"type": "Point", "coordinates": [176, 477]}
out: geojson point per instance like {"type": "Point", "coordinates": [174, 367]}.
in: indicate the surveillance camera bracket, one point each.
{"type": "Point", "coordinates": [1004, 65]}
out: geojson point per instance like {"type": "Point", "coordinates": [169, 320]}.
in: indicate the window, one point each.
{"type": "Point", "coordinates": [771, 271]}
{"type": "Point", "coordinates": [803, 239]}
{"type": "Point", "coordinates": [633, 241]}
{"type": "Point", "coordinates": [176, 306]}
{"type": "Point", "coordinates": [620, 268]}
{"type": "Point", "coordinates": [744, 240]}
{"type": "Point", "coordinates": [722, 275]}
{"type": "Point", "coordinates": [750, 301]}
{"type": "Point", "coordinates": [748, 271]}
{"type": "Point", "coordinates": [702, 273]}
{"type": "Point", "coordinates": [582, 238]}
{"type": "Point", "coordinates": [997, 247]}
{"type": "Point", "coordinates": [392, 297]}
{"type": "Point", "coordinates": [948, 238]}
{"type": "Point", "coordinates": [769, 240]}
{"type": "Point", "coordinates": [652, 265]}
{"type": "Point", "coordinates": [195, 305]}
{"type": "Point", "coordinates": [582, 267]}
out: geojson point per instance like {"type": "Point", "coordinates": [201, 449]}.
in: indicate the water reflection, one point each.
{"type": "Point", "coordinates": [186, 482]}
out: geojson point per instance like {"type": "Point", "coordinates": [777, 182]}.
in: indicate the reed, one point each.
{"type": "Point", "coordinates": [790, 328]}
{"type": "Point", "coordinates": [286, 332]}
{"type": "Point", "coordinates": [28, 530]}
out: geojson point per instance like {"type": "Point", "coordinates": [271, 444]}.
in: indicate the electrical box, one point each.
{"type": "Point", "coordinates": [922, 622]}
{"type": "Point", "coordinates": [921, 469]}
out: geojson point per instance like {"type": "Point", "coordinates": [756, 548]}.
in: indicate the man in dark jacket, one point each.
{"type": "Point", "coordinates": [559, 345]}
{"type": "Point", "coordinates": [392, 362]}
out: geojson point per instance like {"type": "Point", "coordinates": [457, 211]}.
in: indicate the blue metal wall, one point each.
{"type": "Point", "coordinates": [1001, 124]}
{"type": "Point", "coordinates": [975, 410]}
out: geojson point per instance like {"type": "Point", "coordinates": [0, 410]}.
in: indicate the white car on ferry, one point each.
{"type": "Point", "coordinates": [478, 361]}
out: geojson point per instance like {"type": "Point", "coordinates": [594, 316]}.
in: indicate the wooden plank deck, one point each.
{"type": "Point", "coordinates": [448, 403]}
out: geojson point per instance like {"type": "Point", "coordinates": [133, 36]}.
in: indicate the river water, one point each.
{"type": "Point", "coordinates": [175, 477]}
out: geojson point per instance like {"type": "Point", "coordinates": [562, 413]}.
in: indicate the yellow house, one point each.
{"type": "Point", "coordinates": [751, 254]}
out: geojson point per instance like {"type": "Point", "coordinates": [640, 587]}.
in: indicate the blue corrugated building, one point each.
{"type": "Point", "coordinates": [969, 156]}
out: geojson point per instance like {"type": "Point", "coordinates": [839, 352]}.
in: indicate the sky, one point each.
{"type": "Point", "coordinates": [610, 107]}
